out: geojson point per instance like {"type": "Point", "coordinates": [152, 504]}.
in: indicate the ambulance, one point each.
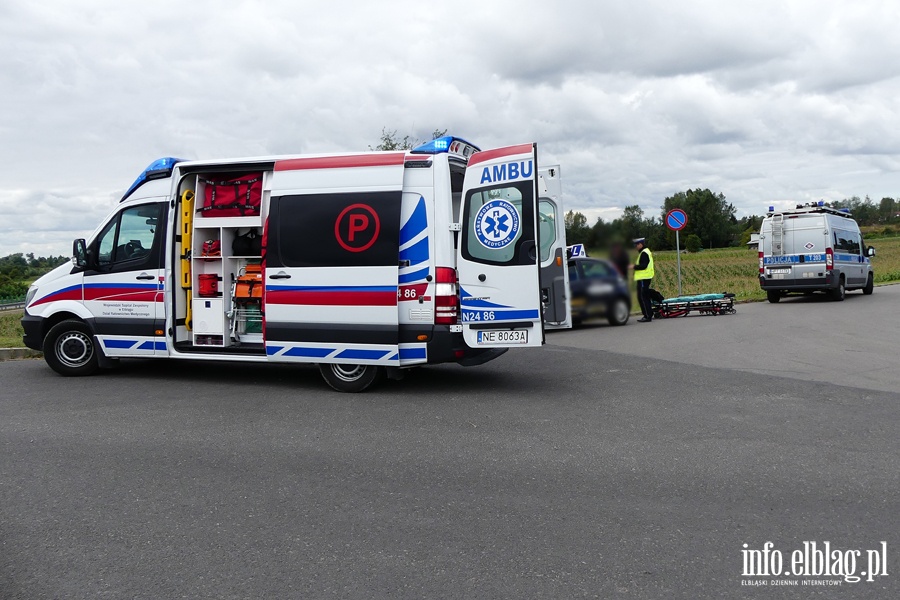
{"type": "Point", "coordinates": [364, 264]}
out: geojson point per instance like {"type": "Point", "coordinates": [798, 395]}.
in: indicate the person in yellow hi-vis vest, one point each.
{"type": "Point", "coordinates": [643, 275]}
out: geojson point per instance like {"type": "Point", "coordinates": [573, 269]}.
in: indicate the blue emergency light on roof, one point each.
{"type": "Point", "coordinates": [771, 209]}
{"type": "Point", "coordinates": [821, 203]}
{"type": "Point", "coordinates": [158, 169]}
{"type": "Point", "coordinates": [442, 145]}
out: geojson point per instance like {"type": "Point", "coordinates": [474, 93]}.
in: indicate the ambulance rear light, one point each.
{"type": "Point", "coordinates": [446, 296]}
{"type": "Point", "coordinates": [761, 262]}
{"type": "Point", "coordinates": [158, 169]}
{"type": "Point", "coordinates": [829, 259]}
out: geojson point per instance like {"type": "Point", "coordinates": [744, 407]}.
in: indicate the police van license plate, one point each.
{"type": "Point", "coordinates": [779, 271]}
{"type": "Point", "coordinates": [502, 337]}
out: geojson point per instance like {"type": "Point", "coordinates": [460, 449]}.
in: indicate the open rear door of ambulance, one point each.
{"type": "Point", "coordinates": [497, 254]}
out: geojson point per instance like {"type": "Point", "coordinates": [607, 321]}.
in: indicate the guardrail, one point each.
{"type": "Point", "coordinates": [12, 306]}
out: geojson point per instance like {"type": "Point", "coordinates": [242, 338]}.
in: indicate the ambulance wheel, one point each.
{"type": "Point", "coordinates": [838, 293]}
{"type": "Point", "coordinates": [773, 297]}
{"type": "Point", "coordinates": [70, 349]}
{"type": "Point", "coordinates": [870, 286]}
{"type": "Point", "coordinates": [618, 312]}
{"type": "Point", "coordinates": [351, 378]}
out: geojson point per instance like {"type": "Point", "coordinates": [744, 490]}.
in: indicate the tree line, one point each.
{"type": "Point", "coordinates": [711, 222]}
{"type": "Point", "coordinates": [16, 269]}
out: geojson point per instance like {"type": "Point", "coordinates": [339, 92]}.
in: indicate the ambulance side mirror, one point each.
{"type": "Point", "coordinates": [79, 253]}
{"type": "Point", "coordinates": [870, 252]}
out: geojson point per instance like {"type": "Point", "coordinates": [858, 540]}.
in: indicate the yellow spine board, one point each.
{"type": "Point", "coordinates": [187, 227]}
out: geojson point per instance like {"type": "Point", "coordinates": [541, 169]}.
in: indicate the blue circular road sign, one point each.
{"type": "Point", "coordinates": [676, 219]}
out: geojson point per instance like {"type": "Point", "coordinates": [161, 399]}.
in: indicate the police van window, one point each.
{"type": "Point", "coordinates": [846, 241]}
{"type": "Point", "coordinates": [494, 224]}
{"type": "Point", "coordinates": [129, 237]}
{"type": "Point", "coordinates": [546, 227]}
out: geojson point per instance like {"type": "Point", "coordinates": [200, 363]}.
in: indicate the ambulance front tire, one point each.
{"type": "Point", "coordinates": [351, 378]}
{"type": "Point", "coordinates": [71, 350]}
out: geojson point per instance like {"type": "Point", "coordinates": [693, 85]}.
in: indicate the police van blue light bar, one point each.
{"type": "Point", "coordinates": [157, 170]}
{"type": "Point", "coordinates": [447, 145]}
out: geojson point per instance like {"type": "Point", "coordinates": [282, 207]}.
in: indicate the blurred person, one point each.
{"type": "Point", "coordinates": [643, 276]}
{"type": "Point", "coordinates": [619, 257]}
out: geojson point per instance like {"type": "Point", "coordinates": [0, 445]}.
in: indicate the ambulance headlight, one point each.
{"type": "Point", "coordinates": [30, 295]}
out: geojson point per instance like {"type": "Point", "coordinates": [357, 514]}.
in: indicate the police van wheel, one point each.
{"type": "Point", "coordinates": [838, 293]}
{"type": "Point", "coordinates": [70, 349]}
{"type": "Point", "coordinates": [870, 286]}
{"type": "Point", "coordinates": [351, 378]}
{"type": "Point", "coordinates": [773, 297]}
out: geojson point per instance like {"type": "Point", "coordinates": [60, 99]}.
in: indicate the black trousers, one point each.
{"type": "Point", "coordinates": [643, 294]}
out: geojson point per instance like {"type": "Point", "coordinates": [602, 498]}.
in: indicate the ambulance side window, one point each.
{"type": "Point", "coordinates": [132, 239]}
{"type": "Point", "coordinates": [546, 228]}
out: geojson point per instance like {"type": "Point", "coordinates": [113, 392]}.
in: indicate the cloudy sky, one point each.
{"type": "Point", "coordinates": [767, 102]}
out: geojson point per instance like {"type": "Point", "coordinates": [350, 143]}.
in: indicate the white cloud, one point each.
{"type": "Point", "coordinates": [764, 101]}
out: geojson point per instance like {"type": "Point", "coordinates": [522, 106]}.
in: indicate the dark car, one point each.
{"type": "Point", "coordinates": [598, 290]}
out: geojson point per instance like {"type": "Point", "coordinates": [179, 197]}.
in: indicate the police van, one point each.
{"type": "Point", "coordinates": [813, 248]}
{"type": "Point", "coordinates": [364, 264]}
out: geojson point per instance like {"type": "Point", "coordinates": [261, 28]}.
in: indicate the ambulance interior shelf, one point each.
{"type": "Point", "coordinates": [215, 317]}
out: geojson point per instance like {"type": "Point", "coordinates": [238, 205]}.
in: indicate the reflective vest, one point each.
{"type": "Point", "coordinates": [645, 273]}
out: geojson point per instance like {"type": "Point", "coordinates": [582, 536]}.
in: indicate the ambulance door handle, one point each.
{"type": "Point", "coordinates": [145, 276]}
{"type": "Point", "coordinates": [280, 275]}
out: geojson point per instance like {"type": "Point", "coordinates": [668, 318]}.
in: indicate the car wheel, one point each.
{"type": "Point", "coordinates": [838, 293]}
{"type": "Point", "coordinates": [870, 285]}
{"type": "Point", "coordinates": [619, 312]}
{"type": "Point", "coordinates": [773, 297]}
{"type": "Point", "coordinates": [71, 350]}
{"type": "Point", "coordinates": [351, 378]}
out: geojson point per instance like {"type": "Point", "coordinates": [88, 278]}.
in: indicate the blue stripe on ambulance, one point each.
{"type": "Point", "coordinates": [480, 316]}
{"type": "Point", "coordinates": [311, 353]}
{"type": "Point", "coordinates": [414, 246]}
{"type": "Point", "coordinates": [134, 345]}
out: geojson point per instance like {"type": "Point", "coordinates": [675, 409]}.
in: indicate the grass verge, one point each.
{"type": "Point", "coordinates": [11, 329]}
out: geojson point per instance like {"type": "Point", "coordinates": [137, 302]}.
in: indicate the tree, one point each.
{"type": "Point", "coordinates": [710, 217]}
{"type": "Point", "coordinates": [692, 243]}
{"type": "Point", "coordinates": [390, 140]}
{"type": "Point", "coordinates": [577, 231]}
{"type": "Point", "coordinates": [887, 208]}
{"type": "Point", "coordinates": [631, 224]}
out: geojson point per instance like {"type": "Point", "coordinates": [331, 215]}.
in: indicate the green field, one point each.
{"type": "Point", "coordinates": [735, 270]}
{"type": "Point", "coordinates": [10, 329]}
{"type": "Point", "coordinates": [710, 271]}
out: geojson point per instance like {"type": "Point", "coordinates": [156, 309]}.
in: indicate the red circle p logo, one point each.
{"type": "Point", "coordinates": [357, 227]}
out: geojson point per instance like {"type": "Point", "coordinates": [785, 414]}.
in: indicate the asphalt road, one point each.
{"type": "Point", "coordinates": [628, 462]}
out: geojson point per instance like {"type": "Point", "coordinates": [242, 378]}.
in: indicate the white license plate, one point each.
{"type": "Point", "coordinates": [779, 271]}
{"type": "Point", "coordinates": [516, 336]}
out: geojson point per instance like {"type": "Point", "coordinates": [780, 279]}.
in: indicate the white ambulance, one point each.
{"type": "Point", "coordinates": [365, 264]}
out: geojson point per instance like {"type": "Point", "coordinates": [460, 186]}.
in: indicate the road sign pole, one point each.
{"type": "Point", "coordinates": [678, 260]}
{"type": "Point", "coordinates": [676, 219]}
